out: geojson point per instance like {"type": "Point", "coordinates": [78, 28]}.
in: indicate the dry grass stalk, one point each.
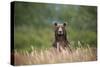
{"type": "Point", "coordinates": [53, 56]}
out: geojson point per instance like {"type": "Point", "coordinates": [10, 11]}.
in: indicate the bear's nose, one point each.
{"type": "Point", "coordinates": [60, 31]}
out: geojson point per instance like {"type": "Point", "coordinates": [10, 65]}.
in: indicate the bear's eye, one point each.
{"type": "Point", "coordinates": [57, 27]}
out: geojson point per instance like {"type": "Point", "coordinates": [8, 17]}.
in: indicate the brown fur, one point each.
{"type": "Point", "coordinates": [61, 39]}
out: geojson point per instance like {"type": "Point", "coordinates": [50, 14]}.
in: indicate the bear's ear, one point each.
{"type": "Point", "coordinates": [55, 24]}
{"type": "Point", "coordinates": [64, 24]}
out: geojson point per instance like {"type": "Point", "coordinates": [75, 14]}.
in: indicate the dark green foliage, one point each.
{"type": "Point", "coordinates": [34, 24]}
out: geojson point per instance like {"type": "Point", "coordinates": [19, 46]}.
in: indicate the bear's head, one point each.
{"type": "Point", "coordinates": [60, 29]}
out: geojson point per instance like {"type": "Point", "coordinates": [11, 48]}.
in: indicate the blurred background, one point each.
{"type": "Point", "coordinates": [33, 26]}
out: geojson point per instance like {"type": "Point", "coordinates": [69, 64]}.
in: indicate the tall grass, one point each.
{"type": "Point", "coordinates": [50, 56]}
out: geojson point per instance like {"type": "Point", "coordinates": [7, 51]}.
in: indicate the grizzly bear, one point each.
{"type": "Point", "coordinates": [61, 41]}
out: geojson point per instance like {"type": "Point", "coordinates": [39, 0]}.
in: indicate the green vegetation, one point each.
{"type": "Point", "coordinates": [34, 24]}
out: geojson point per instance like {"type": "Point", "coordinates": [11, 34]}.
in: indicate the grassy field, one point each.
{"type": "Point", "coordinates": [51, 56]}
{"type": "Point", "coordinates": [34, 46]}
{"type": "Point", "coordinates": [34, 33]}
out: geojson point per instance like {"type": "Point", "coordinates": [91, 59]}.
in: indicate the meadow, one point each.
{"type": "Point", "coordinates": [34, 33]}
{"type": "Point", "coordinates": [51, 56]}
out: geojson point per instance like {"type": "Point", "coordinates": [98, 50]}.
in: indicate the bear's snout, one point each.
{"type": "Point", "coordinates": [60, 31]}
